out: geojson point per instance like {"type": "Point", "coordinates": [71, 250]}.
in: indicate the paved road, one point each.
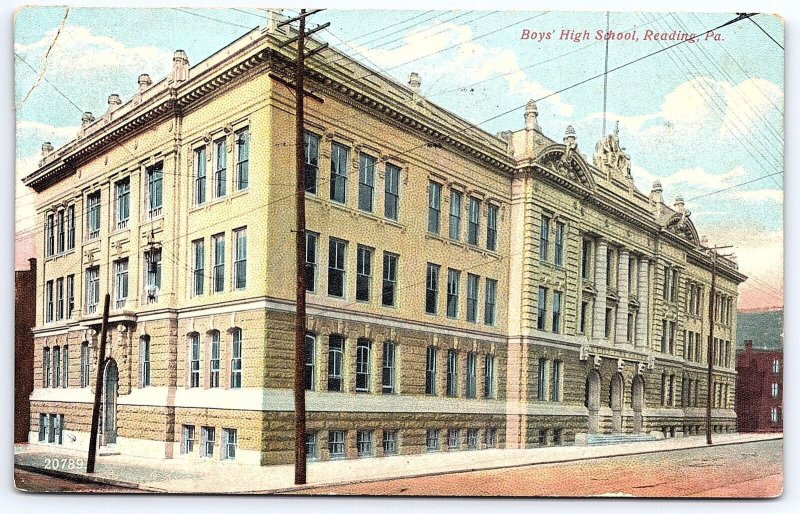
{"type": "Point", "coordinates": [740, 470]}
{"type": "Point", "coordinates": [36, 483]}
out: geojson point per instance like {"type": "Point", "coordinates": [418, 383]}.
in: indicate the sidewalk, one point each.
{"type": "Point", "coordinates": [215, 477]}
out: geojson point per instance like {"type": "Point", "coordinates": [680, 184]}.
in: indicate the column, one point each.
{"type": "Point", "coordinates": [643, 294]}
{"type": "Point", "coordinates": [622, 289]}
{"type": "Point", "coordinates": [599, 321]}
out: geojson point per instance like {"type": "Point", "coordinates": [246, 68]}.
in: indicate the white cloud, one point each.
{"type": "Point", "coordinates": [38, 131]}
{"type": "Point", "coordinates": [758, 196]}
{"type": "Point", "coordinates": [687, 181]}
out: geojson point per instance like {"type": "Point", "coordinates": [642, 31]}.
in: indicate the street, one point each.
{"type": "Point", "coordinates": [38, 483]}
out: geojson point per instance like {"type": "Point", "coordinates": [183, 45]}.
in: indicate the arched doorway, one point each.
{"type": "Point", "coordinates": [615, 402]}
{"type": "Point", "coordinates": [637, 402]}
{"type": "Point", "coordinates": [593, 400]}
{"type": "Point", "coordinates": [110, 392]}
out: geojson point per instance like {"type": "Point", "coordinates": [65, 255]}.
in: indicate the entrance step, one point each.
{"type": "Point", "coordinates": [619, 438]}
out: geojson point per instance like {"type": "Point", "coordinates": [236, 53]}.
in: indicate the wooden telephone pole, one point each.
{"type": "Point", "coordinates": [98, 388]}
{"type": "Point", "coordinates": [300, 239]}
{"type": "Point", "coordinates": [712, 320]}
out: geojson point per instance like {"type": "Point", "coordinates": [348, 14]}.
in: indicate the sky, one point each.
{"type": "Point", "coordinates": [705, 118]}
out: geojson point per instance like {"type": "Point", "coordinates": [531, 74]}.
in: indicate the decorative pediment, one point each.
{"type": "Point", "coordinates": [564, 161]}
{"type": "Point", "coordinates": [680, 224]}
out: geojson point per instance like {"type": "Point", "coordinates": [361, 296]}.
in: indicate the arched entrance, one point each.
{"type": "Point", "coordinates": [593, 400]}
{"type": "Point", "coordinates": [110, 392]}
{"type": "Point", "coordinates": [637, 402]}
{"type": "Point", "coordinates": [615, 402]}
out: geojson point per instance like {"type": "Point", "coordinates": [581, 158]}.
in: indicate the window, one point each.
{"type": "Point", "coordinates": [84, 364]}
{"type": "Point", "coordinates": [70, 227]}
{"type": "Point", "coordinates": [434, 206]}
{"type": "Point", "coordinates": [92, 289]}
{"type": "Point", "coordinates": [311, 141]}
{"type": "Point", "coordinates": [61, 232]}
{"type": "Point", "coordinates": [488, 377]}
{"type": "Point", "coordinates": [491, 437]}
{"type": "Point", "coordinates": [776, 366]}
{"type": "Point", "coordinates": [187, 439]}
{"type": "Point", "coordinates": [773, 415]}
{"type": "Point", "coordinates": [558, 259]}
{"type": "Point", "coordinates": [609, 328]}
{"type": "Point", "coordinates": [339, 157]}
{"type": "Point", "coordinates": [363, 272]}
{"type": "Point", "coordinates": [774, 390]}
{"type": "Point", "coordinates": [430, 370]}
{"type": "Point", "coordinates": [451, 377]}
{"type": "Point", "coordinates": [541, 308]}
{"type": "Point", "coordinates": [455, 215]}
{"type": "Point", "coordinates": [363, 365]}
{"type": "Point", "coordinates": [236, 358]}
{"type": "Point", "coordinates": [144, 361]}
{"type": "Point", "coordinates": [120, 283]}
{"type": "Point", "coordinates": [453, 439]}
{"type": "Point", "coordinates": [388, 368]}
{"type": "Point", "coordinates": [48, 288]}
{"type": "Point", "coordinates": [586, 259]}
{"type": "Point", "coordinates": [92, 215]}
{"type": "Point", "coordinates": [366, 182]}
{"type": "Point", "coordinates": [471, 375]}
{"type": "Point", "coordinates": [152, 275]}
{"type": "Point", "coordinates": [198, 265]}
{"type": "Point", "coordinates": [122, 201]}
{"type": "Point", "coordinates": [631, 324]}
{"type": "Point", "coordinates": [194, 360]}
{"type": "Point", "coordinates": [311, 261]}
{"type": "Point", "coordinates": [389, 279]}
{"type": "Point", "coordinates": [200, 176]}
{"type": "Point", "coordinates": [240, 258]}
{"type": "Point", "coordinates": [218, 243]}
{"type": "Point", "coordinates": [336, 263]}
{"type": "Point", "coordinates": [555, 394]}
{"type": "Point", "coordinates": [610, 277]}
{"type": "Point", "coordinates": [390, 442]}
{"type": "Point", "coordinates": [453, 277]}
{"type": "Point", "coordinates": [432, 439]}
{"type": "Point", "coordinates": [541, 384]}
{"type": "Point", "coordinates": [46, 367]}
{"type": "Point", "coordinates": [556, 328]}
{"type": "Point", "coordinates": [472, 438]}
{"type": "Point", "coordinates": [155, 200]}
{"type": "Point", "coordinates": [310, 356]}
{"type": "Point", "coordinates": [70, 296]}
{"type": "Point", "coordinates": [489, 307]}
{"type": "Point", "coordinates": [632, 274]}
{"type": "Point", "coordinates": [335, 353]}
{"type": "Point", "coordinates": [229, 443]}
{"type": "Point", "coordinates": [431, 288]}
{"type": "Point", "coordinates": [364, 443]}
{"type": "Point", "coordinates": [56, 366]}
{"type": "Point", "coordinates": [544, 238]}
{"type": "Point", "coordinates": [472, 297]}
{"type": "Point", "coordinates": [65, 366]}
{"type": "Point", "coordinates": [673, 290]}
{"type": "Point", "coordinates": [558, 437]}
{"type": "Point", "coordinates": [491, 227]}
{"type": "Point", "coordinates": [391, 202]}
{"type": "Point", "coordinates": [473, 219]}
{"type": "Point", "coordinates": [213, 361]}
{"type": "Point", "coordinates": [50, 238]}
{"type": "Point", "coordinates": [543, 437]}
{"type": "Point", "coordinates": [220, 168]}
{"type": "Point", "coordinates": [311, 446]}
{"type": "Point", "coordinates": [336, 444]}
{"type": "Point", "coordinates": [207, 448]}
{"type": "Point", "coordinates": [242, 138]}
{"type": "Point", "coordinates": [583, 317]}
{"type": "Point", "coordinates": [667, 283]}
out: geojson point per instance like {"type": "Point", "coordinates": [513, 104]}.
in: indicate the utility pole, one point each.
{"type": "Point", "coordinates": [712, 320]}
{"type": "Point", "coordinates": [98, 388]}
{"type": "Point", "coordinates": [300, 240]}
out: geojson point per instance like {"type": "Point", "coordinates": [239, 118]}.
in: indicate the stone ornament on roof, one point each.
{"type": "Point", "coordinates": [611, 158]}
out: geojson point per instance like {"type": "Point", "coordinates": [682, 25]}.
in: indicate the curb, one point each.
{"type": "Point", "coordinates": [85, 479]}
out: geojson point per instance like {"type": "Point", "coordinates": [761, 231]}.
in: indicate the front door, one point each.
{"type": "Point", "coordinates": [110, 390]}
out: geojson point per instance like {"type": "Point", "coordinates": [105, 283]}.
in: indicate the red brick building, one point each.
{"type": "Point", "coordinates": [24, 320]}
{"type": "Point", "coordinates": [759, 389]}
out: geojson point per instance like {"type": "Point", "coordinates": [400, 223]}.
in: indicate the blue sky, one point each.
{"type": "Point", "coordinates": [700, 117]}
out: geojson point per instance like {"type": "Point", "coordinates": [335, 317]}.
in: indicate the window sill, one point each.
{"type": "Point", "coordinates": [460, 244]}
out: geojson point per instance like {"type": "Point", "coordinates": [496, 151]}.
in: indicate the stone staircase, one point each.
{"type": "Point", "coordinates": [619, 438]}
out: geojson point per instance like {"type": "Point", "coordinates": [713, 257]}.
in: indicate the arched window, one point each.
{"type": "Point", "coordinates": [194, 359]}
{"type": "Point", "coordinates": [213, 365]}
{"type": "Point", "coordinates": [236, 358]}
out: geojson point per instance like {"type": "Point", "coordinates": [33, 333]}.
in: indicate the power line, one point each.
{"type": "Point", "coordinates": [767, 33]}
{"type": "Point", "coordinates": [211, 18]}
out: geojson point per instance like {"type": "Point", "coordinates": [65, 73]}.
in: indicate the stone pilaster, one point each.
{"type": "Point", "coordinates": [644, 302]}
{"type": "Point", "coordinates": [600, 255]}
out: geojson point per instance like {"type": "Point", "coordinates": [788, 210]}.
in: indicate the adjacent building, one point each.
{"type": "Point", "coordinates": [465, 290]}
{"type": "Point", "coordinates": [25, 302]}
{"type": "Point", "coordinates": [759, 389]}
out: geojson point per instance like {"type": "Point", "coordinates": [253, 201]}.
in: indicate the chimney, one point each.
{"type": "Point", "coordinates": [113, 102]}
{"type": "Point", "coordinates": [144, 82]}
{"type": "Point", "coordinates": [748, 345]}
{"type": "Point", "coordinates": [180, 67]}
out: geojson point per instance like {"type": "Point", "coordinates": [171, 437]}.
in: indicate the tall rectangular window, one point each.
{"type": "Point", "coordinates": [194, 360]}
{"type": "Point", "coordinates": [665, 293]}
{"type": "Point", "coordinates": [311, 359]}
{"type": "Point", "coordinates": [365, 445]}
{"type": "Point", "coordinates": [451, 376]}
{"type": "Point", "coordinates": [70, 227]}
{"type": "Point", "coordinates": [240, 258]}
{"type": "Point", "coordinates": [48, 295]}
{"type": "Point", "coordinates": [155, 191]}
{"type": "Point", "coordinates": [488, 376]}
{"type": "Point", "coordinates": [586, 259]}
{"type": "Point", "coordinates": [472, 438]}
{"type": "Point", "coordinates": [556, 328]}
{"type": "Point", "coordinates": [541, 308]}
{"type": "Point", "coordinates": [120, 283]}
{"type": "Point", "coordinates": [144, 361]}
{"type": "Point", "coordinates": [491, 227]}
{"type": "Point", "coordinates": [472, 297]}
{"type": "Point", "coordinates": [336, 263]}
{"type": "Point", "coordinates": [363, 273]}
{"type": "Point", "coordinates": [61, 232]}
{"type": "Point", "coordinates": [70, 296]}
{"type": "Point", "coordinates": [50, 237]}
{"type": "Point", "coordinates": [335, 354]}
{"type": "Point", "coordinates": [388, 368]}
{"type": "Point", "coordinates": [311, 141]}
{"type": "Point", "coordinates": [434, 206]}
{"type": "Point", "coordinates": [490, 305]}
{"type": "Point", "coordinates": [432, 439]}
{"type": "Point", "coordinates": [218, 244]}
{"type": "Point", "coordinates": [236, 358]}
{"type": "Point", "coordinates": [544, 238]}
{"type": "Point", "coordinates": [664, 336]}
{"type": "Point", "coordinates": [187, 439]}
{"type": "Point", "coordinates": [366, 182]}
{"type": "Point", "coordinates": [207, 439]}
{"type": "Point", "coordinates": [122, 201]}
{"type": "Point", "coordinates": [59, 298]}
{"type": "Point", "coordinates": [473, 220]}
{"type": "Point", "coordinates": [92, 289]}
{"type": "Point", "coordinates": [92, 215]}
{"type": "Point", "coordinates": [390, 442]}
{"type": "Point", "coordinates": [391, 201]}
{"type": "Point", "coordinates": [455, 215]}
{"type": "Point", "coordinates": [200, 175]}
{"type": "Point", "coordinates": [776, 366]}
{"type": "Point", "coordinates": [541, 383]}
{"type": "Point", "coordinates": [152, 275]}
{"type": "Point", "coordinates": [46, 367]}
{"type": "Point", "coordinates": [471, 375]}
{"type": "Point", "coordinates": [220, 168]}
{"type": "Point", "coordinates": [610, 321]}
{"type": "Point", "coordinates": [432, 288]}
{"type": "Point", "coordinates": [198, 267]}
{"type": "Point", "coordinates": [430, 370]}
{"type": "Point", "coordinates": [558, 258]}
{"type": "Point", "coordinates": [584, 313]}
{"type": "Point", "coordinates": [453, 278]}
{"type": "Point", "coordinates": [389, 279]}
{"type": "Point", "coordinates": [56, 366]}
{"type": "Point", "coordinates": [336, 444]}
{"type": "Point", "coordinates": [84, 372]}
{"type": "Point", "coordinates": [453, 439]}
{"type": "Point", "coordinates": [555, 394]}
{"type": "Point", "coordinates": [242, 138]}
{"type": "Point", "coordinates": [311, 446]}
{"type": "Point", "coordinates": [312, 240]}
{"type": "Point", "coordinates": [363, 365]}
{"type": "Point", "coordinates": [213, 360]}
{"type": "Point", "coordinates": [230, 441]}
{"type": "Point", "coordinates": [339, 157]}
